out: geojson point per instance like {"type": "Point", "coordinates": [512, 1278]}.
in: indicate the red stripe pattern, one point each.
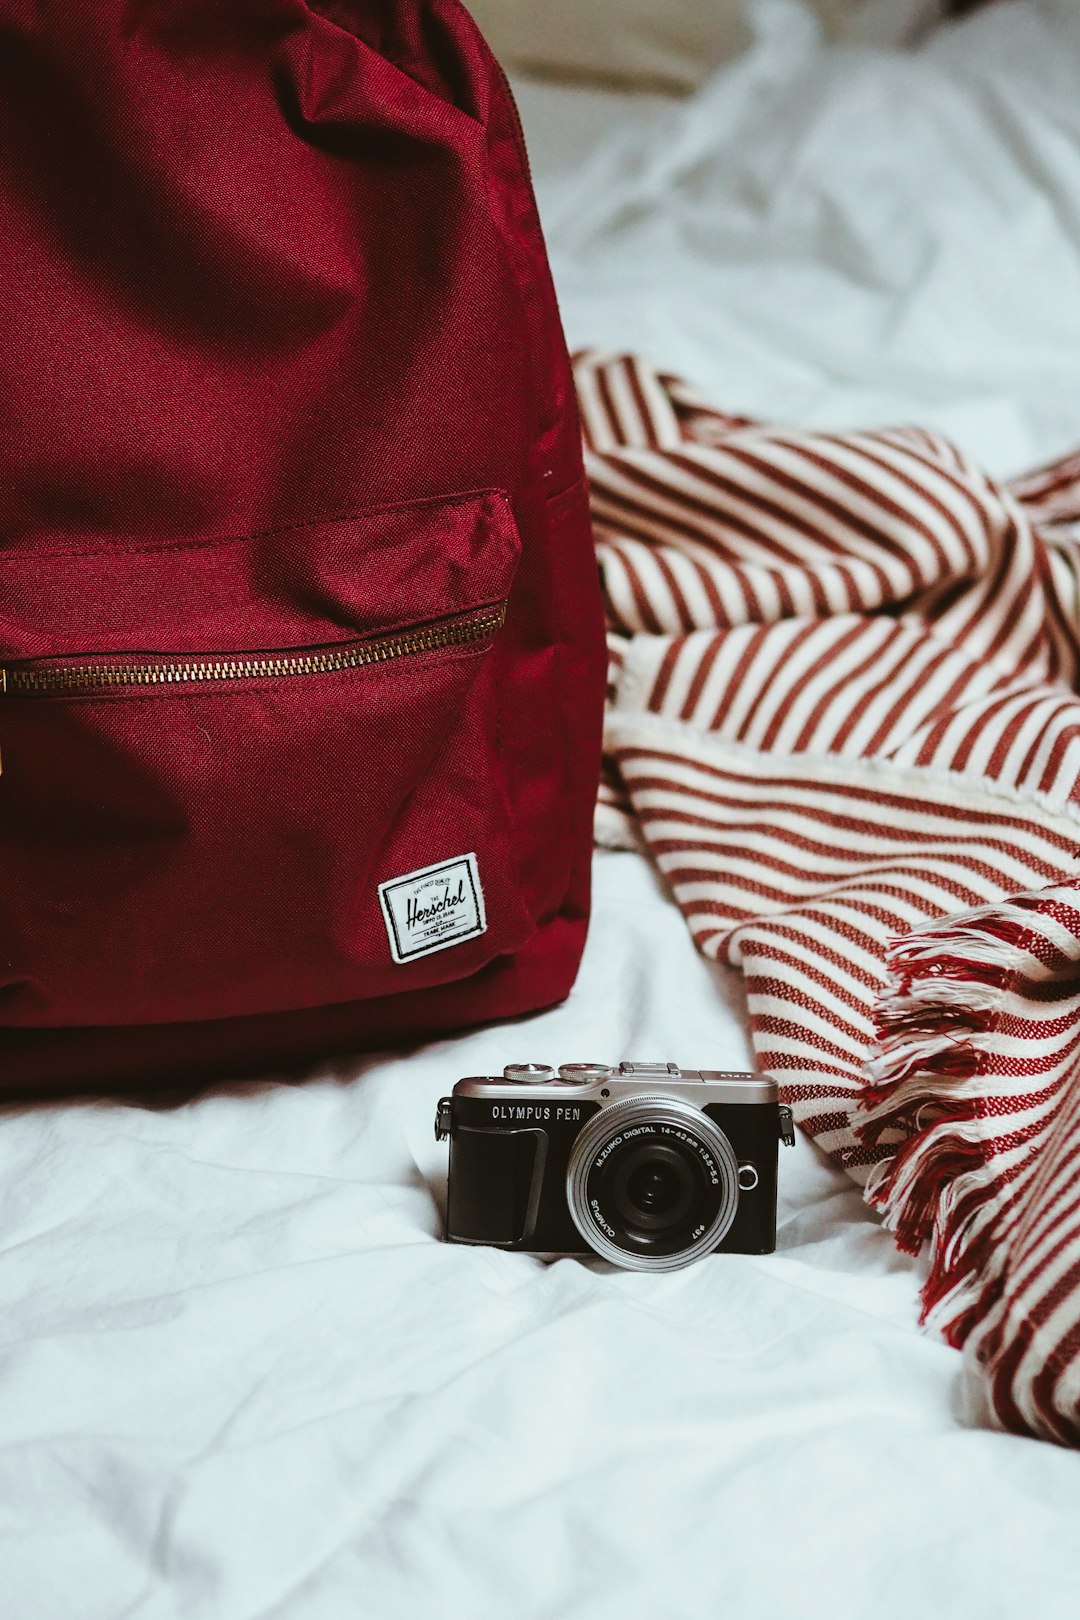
{"type": "Point", "coordinates": [843, 719]}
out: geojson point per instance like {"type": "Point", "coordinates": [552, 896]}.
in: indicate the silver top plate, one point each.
{"type": "Point", "coordinates": [697, 1086]}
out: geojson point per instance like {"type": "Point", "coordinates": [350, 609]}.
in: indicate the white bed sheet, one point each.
{"type": "Point", "coordinates": [241, 1377]}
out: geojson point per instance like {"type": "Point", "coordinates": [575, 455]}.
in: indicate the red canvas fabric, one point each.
{"type": "Point", "coordinates": [282, 370]}
{"type": "Point", "coordinates": [843, 718]}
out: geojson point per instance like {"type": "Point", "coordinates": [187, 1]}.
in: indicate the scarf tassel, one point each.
{"type": "Point", "coordinates": [934, 1024]}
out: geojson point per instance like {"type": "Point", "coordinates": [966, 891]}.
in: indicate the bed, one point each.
{"type": "Point", "coordinates": [241, 1376]}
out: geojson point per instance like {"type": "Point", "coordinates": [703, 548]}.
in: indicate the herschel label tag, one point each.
{"type": "Point", "coordinates": [433, 908]}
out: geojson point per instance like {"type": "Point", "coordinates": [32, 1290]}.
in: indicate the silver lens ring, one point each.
{"type": "Point", "coordinates": [613, 1122]}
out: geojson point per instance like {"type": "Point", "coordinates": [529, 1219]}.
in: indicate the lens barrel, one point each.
{"type": "Point", "coordinates": [652, 1184]}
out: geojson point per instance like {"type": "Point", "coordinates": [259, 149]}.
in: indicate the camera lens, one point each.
{"type": "Point", "coordinates": [652, 1183]}
{"type": "Point", "coordinates": [652, 1189]}
{"type": "Point", "coordinates": [652, 1192]}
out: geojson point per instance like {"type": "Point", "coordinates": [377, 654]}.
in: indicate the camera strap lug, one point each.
{"type": "Point", "coordinates": [787, 1126]}
{"type": "Point", "coordinates": [442, 1119]}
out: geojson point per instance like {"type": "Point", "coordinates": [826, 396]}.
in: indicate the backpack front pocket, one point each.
{"type": "Point", "coordinates": [272, 782]}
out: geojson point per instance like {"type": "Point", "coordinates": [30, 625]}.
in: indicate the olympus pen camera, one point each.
{"type": "Point", "coordinates": [647, 1165]}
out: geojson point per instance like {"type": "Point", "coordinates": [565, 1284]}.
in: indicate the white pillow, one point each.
{"type": "Point", "coordinates": [668, 43]}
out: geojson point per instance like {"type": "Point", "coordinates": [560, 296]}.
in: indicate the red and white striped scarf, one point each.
{"type": "Point", "coordinates": [843, 718]}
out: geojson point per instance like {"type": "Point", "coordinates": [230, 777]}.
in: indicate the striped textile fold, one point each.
{"type": "Point", "coordinates": [843, 719]}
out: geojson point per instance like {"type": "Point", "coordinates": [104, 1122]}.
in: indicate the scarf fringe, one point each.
{"type": "Point", "coordinates": [934, 1023]}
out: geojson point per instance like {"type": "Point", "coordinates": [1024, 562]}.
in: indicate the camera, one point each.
{"type": "Point", "coordinates": [647, 1165]}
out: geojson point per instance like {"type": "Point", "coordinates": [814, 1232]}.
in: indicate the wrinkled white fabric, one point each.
{"type": "Point", "coordinates": [241, 1377]}
{"type": "Point", "coordinates": [841, 236]}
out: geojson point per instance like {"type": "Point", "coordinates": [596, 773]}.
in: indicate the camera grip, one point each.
{"type": "Point", "coordinates": [496, 1178]}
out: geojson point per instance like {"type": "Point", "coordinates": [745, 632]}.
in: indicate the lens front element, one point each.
{"type": "Point", "coordinates": [653, 1189]}
{"type": "Point", "coordinates": [652, 1184]}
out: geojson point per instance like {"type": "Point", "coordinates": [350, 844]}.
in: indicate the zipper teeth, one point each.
{"type": "Point", "coordinates": [264, 666]}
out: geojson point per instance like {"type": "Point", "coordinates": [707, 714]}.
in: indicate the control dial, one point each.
{"type": "Point", "coordinates": [584, 1074]}
{"type": "Point", "coordinates": [529, 1074]}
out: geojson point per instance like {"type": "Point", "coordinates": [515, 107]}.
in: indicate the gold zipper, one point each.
{"type": "Point", "coordinates": [167, 669]}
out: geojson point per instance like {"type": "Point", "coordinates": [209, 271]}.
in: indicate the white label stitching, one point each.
{"type": "Point", "coordinates": [433, 908]}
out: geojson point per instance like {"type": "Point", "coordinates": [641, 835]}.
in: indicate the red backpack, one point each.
{"type": "Point", "coordinates": [299, 620]}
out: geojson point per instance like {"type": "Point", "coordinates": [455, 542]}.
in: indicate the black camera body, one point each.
{"type": "Point", "coordinates": [647, 1165]}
